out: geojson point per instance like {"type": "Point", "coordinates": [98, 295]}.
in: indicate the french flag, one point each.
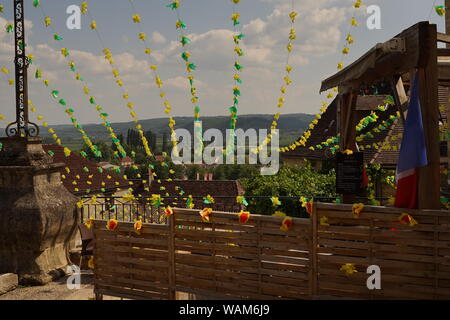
{"type": "Point", "coordinates": [413, 153]}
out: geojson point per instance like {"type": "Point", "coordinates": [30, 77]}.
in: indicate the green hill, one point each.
{"type": "Point", "coordinates": [291, 127]}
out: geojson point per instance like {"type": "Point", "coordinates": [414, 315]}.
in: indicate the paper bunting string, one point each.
{"type": "Point", "coordinates": [159, 83]}
{"type": "Point", "coordinates": [287, 81]}
{"type": "Point", "coordinates": [72, 66]}
{"type": "Point", "coordinates": [186, 58]}
{"type": "Point", "coordinates": [109, 57]}
{"type": "Point", "coordinates": [237, 38]}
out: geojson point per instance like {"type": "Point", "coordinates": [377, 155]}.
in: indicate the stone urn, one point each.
{"type": "Point", "coordinates": [38, 216]}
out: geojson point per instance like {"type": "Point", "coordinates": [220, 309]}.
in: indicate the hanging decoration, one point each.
{"type": "Point", "coordinates": [208, 199]}
{"type": "Point", "coordinates": [157, 79]}
{"type": "Point", "coordinates": [275, 201]}
{"type": "Point", "coordinates": [180, 26]}
{"type": "Point", "coordinates": [407, 219]}
{"type": "Point", "coordinates": [168, 211]}
{"type": "Point", "coordinates": [286, 79]}
{"type": "Point", "coordinates": [5, 72]}
{"type": "Point", "coordinates": [308, 205]}
{"type": "Point", "coordinates": [205, 213]}
{"type": "Point", "coordinates": [44, 123]}
{"type": "Point", "coordinates": [440, 10]}
{"type": "Point", "coordinates": [70, 112]}
{"type": "Point", "coordinates": [242, 200]}
{"type": "Point", "coordinates": [112, 224]}
{"type": "Point", "coordinates": [349, 269]}
{"type": "Point", "coordinates": [237, 38]}
{"type": "Point", "coordinates": [349, 40]}
{"type": "Point", "coordinates": [286, 223]}
{"type": "Point", "coordinates": [108, 56]}
{"type": "Point", "coordinates": [72, 66]}
{"type": "Point", "coordinates": [357, 208]}
{"type": "Point", "coordinates": [244, 216]}
{"type": "Point", "coordinates": [138, 226]}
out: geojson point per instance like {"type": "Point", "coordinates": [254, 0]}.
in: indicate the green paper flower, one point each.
{"type": "Point", "coordinates": [38, 73]}
{"type": "Point", "coordinates": [185, 40]}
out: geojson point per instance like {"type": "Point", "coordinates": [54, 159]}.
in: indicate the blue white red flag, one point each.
{"type": "Point", "coordinates": [413, 152]}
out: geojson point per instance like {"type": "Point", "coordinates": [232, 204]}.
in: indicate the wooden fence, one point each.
{"type": "Point", "coordinates": [225, 259]}
{"type": "Point", "coordinates": [414, 261]}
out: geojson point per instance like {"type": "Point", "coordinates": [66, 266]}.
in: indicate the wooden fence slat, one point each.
{"type": "Point", "coordinates": [257, 260]}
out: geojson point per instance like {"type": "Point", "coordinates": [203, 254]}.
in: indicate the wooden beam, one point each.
{"type": "Point", "coordinates": [442, 37]}
{"type": "Point", "coordinates": [429, 176]}
{"type": "Point", "coordinates": [443, 52]}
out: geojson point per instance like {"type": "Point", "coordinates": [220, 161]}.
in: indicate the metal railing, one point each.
{"type": "Point", "coordinates": [106, 208]}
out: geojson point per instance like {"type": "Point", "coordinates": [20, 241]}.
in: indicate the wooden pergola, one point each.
{"type": "Point", "coordinates": [395, 62]}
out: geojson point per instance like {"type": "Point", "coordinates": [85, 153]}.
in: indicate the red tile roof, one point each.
{"type": "Point", "coordinates": [77, 165]}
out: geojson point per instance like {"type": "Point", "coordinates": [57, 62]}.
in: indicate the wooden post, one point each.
{"type": "Point", "coordinates": [447, 19]}
{"type": "Point", "coordinates": [347, 129]}
{"type": "Point", "coordinates": [314, 281]}
{"type": "Point", "coordinates": [171, 258]}
{"type": "Point", "coordinates": [447, 31]}
{"type": "Point", "coordinates": [429, 176]}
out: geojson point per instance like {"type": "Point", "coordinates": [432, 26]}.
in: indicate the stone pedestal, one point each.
{"type": "Point", "coordinates": [38, 216]}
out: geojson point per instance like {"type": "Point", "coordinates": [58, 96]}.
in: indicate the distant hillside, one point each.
{"type": "Point", "coordinates": [290, 125]}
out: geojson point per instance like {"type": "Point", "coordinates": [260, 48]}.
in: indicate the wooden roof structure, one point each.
{"type": "Point", "coordinates": [327, 128]}
{"type": "Point", "coordinates": [414, 51]}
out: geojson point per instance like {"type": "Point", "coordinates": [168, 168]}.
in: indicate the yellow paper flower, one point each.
{"type": "Point", "coordinates": [348, 269]}
{"type": "Point", "coordinates": [357, 209]}
{"type": "Point", "coordinates": [324, 221]}
{"type": "Point", "coordinates": [205, 213]}
{"type": "Point", "coordinates": [286, 223]}
{"type": "Point", "coordinates": [138, 226]}
{"type": "Point", "coordinates": [91, 264]}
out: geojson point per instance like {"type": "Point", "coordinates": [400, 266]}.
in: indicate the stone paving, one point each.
{"type": "Point", "coordinates": [56, 290]}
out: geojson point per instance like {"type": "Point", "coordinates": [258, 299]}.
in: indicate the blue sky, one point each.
{"type": "Point", "coordinates": [321, 29]}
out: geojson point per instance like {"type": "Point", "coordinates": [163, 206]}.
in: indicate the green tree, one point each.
{"type": "Point", "coordinates": [289, 181]}
{"type": "Point", "coordinates": [103, 147]}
